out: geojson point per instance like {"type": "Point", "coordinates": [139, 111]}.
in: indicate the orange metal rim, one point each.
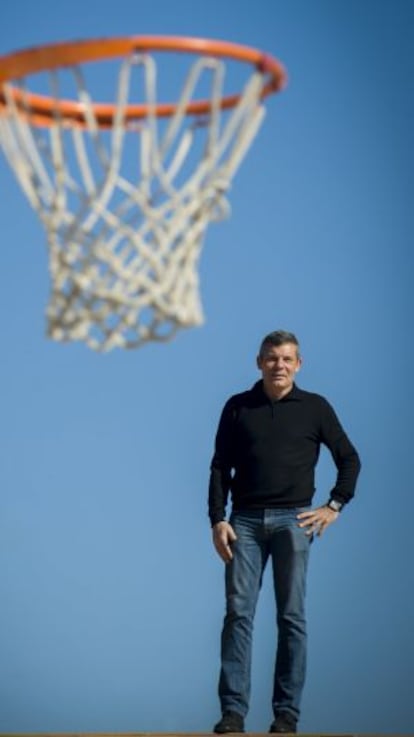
{"type": "Point", "coordinates": [43, 109]}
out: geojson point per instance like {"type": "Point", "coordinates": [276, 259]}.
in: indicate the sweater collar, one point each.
{"type": "Point", "coordinates": [293, 395]}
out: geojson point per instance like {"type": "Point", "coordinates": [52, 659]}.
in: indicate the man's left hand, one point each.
{"type": "Point", "coordinates": [317, 520]}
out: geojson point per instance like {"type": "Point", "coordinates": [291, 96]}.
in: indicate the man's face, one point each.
{"type": "Point", "coordinates": [279, 365]}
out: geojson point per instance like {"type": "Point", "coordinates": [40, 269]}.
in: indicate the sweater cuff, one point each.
{"type": "Point", "coordinates": [216, 519]}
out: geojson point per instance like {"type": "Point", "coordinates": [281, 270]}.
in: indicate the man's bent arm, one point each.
{"type": "Point", "coordinates": [344, 455]}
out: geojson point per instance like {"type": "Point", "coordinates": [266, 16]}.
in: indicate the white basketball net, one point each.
{"type": "Point", "coordinates": [124, 248]}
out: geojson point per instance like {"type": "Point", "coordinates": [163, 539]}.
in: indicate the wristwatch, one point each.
{"type": "Point", "coordinates": [335, 505]}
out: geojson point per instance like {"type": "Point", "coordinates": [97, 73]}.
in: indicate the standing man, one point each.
{"type": "Point", "coordinates": [267, 448]}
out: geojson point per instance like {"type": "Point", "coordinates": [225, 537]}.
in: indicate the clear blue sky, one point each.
{"type": "Point", "coordinates": [111, 594]}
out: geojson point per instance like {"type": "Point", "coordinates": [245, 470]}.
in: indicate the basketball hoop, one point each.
{"type": "Point", "coordinates": [126, 190]}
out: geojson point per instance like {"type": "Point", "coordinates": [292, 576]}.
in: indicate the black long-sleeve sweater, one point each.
{"type": "Point", "coordinates": [266, 452]}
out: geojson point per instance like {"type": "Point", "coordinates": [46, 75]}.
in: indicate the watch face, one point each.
{"type": "Point", "coordinates": [336, 506]}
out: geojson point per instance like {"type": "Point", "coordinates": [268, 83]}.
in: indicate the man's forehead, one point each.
{"type": "Point", "coordinates": [285, 349]}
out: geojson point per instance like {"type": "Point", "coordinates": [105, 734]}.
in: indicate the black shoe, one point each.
{"type": "Point", "coordinates": [229, 722]}
{"type": "Point", "coordinates": [283, 723]}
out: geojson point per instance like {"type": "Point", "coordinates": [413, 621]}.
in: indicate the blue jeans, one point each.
{"type": "Point", "coordinates": [262, 534]}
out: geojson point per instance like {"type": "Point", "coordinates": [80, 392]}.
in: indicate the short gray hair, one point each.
{"type": "Point", "coordinates": [278, 337]}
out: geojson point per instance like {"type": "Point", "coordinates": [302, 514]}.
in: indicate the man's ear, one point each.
{"type": "Point", "coordinates": [259, 362]}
